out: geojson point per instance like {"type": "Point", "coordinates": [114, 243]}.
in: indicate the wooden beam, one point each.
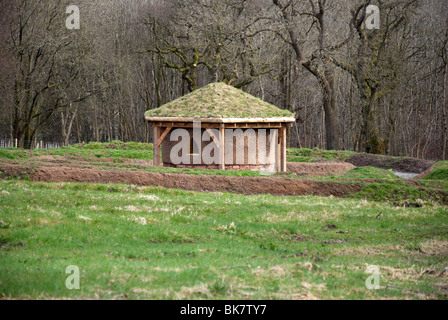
{"type": "Point", "coordinates": [222, 131]}
{"type": "Point", "coordinates": [283, 149]}
{"type": "Point", "coordinates": [156, 148]}
{"type": "Point", "coordinates": [190, 125]}
{"type": "Point", "coordinates": [205, 125]}
{"type": "Point", "coordinates": [165, 133]}
{"type": "Point", "coordinates": [212, 135]}
{"type": "Point", "coordinates": [222, 120]}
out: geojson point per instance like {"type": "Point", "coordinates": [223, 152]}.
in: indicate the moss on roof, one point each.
{"type": "Point", "coordinates": [219, 100]}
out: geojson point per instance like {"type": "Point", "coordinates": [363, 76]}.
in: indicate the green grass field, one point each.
{"type": "Point", "coordinates": [114, 149]}
{"type": "Point", "coordinates": [311, 155]}
{"type": "Point", "coordinates": [152, 243]}
{"type": "Point", "coordinates": [134, 242]}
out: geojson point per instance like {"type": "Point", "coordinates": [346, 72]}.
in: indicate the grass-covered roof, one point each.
{"type": "Point", "coordinates": [218, 100]}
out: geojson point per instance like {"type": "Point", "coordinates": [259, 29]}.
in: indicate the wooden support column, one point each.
{"type": "Point", "coordinates": [283, 149]}
{"type": "Point", "coordinates": [222, 131]}
{"type": "Point", "coordinates": [278, 158]}
{"type": "Point", "coordinates": [156, 147]}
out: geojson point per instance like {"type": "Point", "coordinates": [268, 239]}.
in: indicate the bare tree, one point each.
{"type": "Point", "coordinates": [383, 91]}
{"type": "Point", "coordinates": [38, 47]}
{"type": "Point", "coordinates": [376, 71]}
{"type": "Point", "coordinates": [317, 62]}
{"type": "Point", "coordinates": [207, 37]}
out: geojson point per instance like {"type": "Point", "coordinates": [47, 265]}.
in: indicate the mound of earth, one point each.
{"type": "Point", "coordinates": [275, 185]}
{"type": "Point", "coordinates": [410, 165]}
{"type": "Point", "coordinates": [319, 169]}
{"type": "Point", "coordinates": [203, 183]}
{"type": "Point", "coordinates": [424, 173]}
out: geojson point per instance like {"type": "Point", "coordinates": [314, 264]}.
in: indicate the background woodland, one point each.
{"type": "Point", "coordinates": [381, 91]}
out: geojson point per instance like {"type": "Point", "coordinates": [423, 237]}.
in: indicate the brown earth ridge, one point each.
{"type": "Point", "coordinates": [68, 169]}
{"type": "Point", "coordinates": [409, 165]}
{"type": "Point", "coordinates": [203, 183]}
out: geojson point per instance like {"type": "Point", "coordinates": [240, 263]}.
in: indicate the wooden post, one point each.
{"type": "Point", "coordinates": [15, 143]}
{"type": "Point", "coordinates": [41, 144]}
{"type": "Point", "coordinates": [222, 131]}
{"type": "Point", "coordinates": [156, 148]}
{"type": "Point", "coordinates": [283, 149]}
{"type": "Point", "coordinates": [279, 151]}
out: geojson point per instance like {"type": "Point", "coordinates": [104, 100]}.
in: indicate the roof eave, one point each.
{"type": "Point", "coordinates": [221, 120]}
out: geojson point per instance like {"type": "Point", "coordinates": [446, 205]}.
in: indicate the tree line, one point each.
{"type": "Point", "coordinates": [382, 91]}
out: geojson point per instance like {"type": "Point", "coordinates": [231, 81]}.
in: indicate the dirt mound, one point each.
{"type": "Point", "coordinates": [275, 185]}
{"type": "Point", "coordinates": [410, 165]}
{"type": "Point", "coordinates": [245, 185]}
{"type": "Point", "coordinates": [16, 172]}
{"type": "Point", "coordinates": [319, 169]}
{"type": "Point", "coordinates": [424, 173]}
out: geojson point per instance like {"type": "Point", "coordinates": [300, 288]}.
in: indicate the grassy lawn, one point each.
{"type": "Point", "coordinates": [115, 149]}
{"type": "Point", "coordinates": [153, 243]}
{"type": "Point", "coordinates": [440, 172]}
{"type": "Point", "coordinates": [312, 155]}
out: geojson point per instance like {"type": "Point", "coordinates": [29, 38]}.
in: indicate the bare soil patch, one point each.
{"type": "Point", "coordinates": [300, 169]}
{"type": "Point", "coordinates": [68, 169]}
{"type": "Point", "coordinates": [319, 169]}
{"type": "Point", "coordinates": [411, 165]}
{"type": "Point", "coordinates": [244, 185]}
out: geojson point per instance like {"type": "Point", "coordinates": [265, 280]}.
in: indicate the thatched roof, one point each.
{"type": "Point", "coordinates": [219, 102]}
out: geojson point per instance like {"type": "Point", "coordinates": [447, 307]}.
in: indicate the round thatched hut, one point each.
{"type": "Point", "coordinates": [220, 127]}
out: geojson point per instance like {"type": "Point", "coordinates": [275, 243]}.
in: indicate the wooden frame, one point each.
{"type": "Point", "coordinates": [159, 137]}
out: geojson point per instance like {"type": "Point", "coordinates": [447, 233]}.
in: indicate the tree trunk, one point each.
{"type": "Point", "coordinates": [329, 104]}
{"type": "Point", "coordinates": [444, 116]}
